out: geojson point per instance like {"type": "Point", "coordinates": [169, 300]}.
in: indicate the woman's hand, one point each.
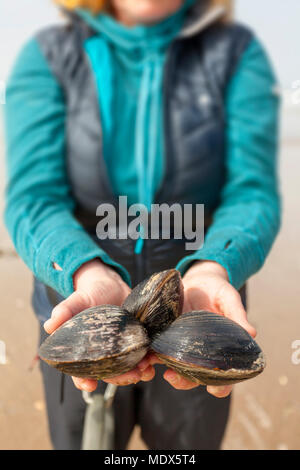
{"type": "Point", "coordinates": [95, 283]}
{"type": "Point", "coordinates": [206, 287]}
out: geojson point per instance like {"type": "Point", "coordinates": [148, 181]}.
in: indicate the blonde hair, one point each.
{"type": "Point", "coordinates": [94, 5]}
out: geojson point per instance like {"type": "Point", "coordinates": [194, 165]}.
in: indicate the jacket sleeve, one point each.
{"type": "Point", "coordinates": [248, 218]}
{"type": "Point", "coordinates": [39, 203]}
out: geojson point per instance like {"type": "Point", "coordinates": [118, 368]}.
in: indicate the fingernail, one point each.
{"type": "Point", "coordinates": [88, 387]}
{"type": "Point", "coordinates": [143, 366]}
{"type": "Point", "coordinates": [148, 373]}
{"type": "Point", "coordinates": [175, 379]}
{"type": "Point", "coordinates": [127, 382]}
{"type": "Point", "coordinates": [54, 313]}
{"type": "Point", "coordinates": [218, 390]}
{"type": "Point", "coordinates": [133, 380]}
{"type": "Point", "coordinates": [136, 380]}
{"type": "Point", "coordinates": [47, 323]}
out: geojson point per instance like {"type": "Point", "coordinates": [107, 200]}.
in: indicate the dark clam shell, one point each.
{"type": "Point", "coordinates": [157, 301]}
{"type": "Point", "coordinates": [100, 342]}
{"type": "Point", "coordinates": [209, 349]}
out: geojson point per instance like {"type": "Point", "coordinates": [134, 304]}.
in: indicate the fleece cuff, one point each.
{"type": "Point", "coordinates": [238, 252]}
{"type": "Point", "coordinates": [70, 249]}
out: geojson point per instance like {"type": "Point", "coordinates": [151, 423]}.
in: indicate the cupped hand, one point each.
{"type": "Point", "coordinates": [97, 284]}
{"type": "Point", "coordinates": [207, 287]}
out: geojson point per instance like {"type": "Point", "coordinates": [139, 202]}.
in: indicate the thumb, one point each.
{"type": "Point", "coordinates": [230, 304]}
{"type": "Point", "coordinates": [68, 308]}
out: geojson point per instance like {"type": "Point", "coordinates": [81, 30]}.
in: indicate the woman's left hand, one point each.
{"type": "Point", "coordinates": [95, 283]}
{"type": "Point", "coordinates": [207, 287]}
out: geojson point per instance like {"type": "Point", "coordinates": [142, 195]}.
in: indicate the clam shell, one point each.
{"type": "Point", "coordinates": [100, 342]}
{"type": "Point", "coordinates": [209, 349]}
{"type": "Point", "coordinates": [157, 301]}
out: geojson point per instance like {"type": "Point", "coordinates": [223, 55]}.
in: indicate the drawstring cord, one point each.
{"type": "Point", "coordinates": [146, 173]}
{"type": "Point", "coordinates": [153, 132]}
{"type": "Point", "coordinates": [140, 146]}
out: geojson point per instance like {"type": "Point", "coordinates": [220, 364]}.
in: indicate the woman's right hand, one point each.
{"type": "Point", "coordinates": [95, 283]}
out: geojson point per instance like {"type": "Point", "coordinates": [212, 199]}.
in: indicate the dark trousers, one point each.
{"type": "Point", "coordinates": [169, 419]}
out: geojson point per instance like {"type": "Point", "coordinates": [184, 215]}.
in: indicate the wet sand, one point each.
{"type": "Point", "coordinates": [265, 412]}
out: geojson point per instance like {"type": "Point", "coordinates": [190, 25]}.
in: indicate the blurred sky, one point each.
{"type": "Point", "coordinates": [275, 21]}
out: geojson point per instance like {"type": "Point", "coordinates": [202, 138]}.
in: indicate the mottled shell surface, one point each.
{"type": "Point", "coordinates": [100, 342]}
{"type": "Point", "coordinates": [209, 349]}
{"type": "Point", "coordinates": [157, 301]}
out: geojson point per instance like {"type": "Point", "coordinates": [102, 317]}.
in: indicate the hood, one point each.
{"type": "Point", "coordinates": [200, 17]}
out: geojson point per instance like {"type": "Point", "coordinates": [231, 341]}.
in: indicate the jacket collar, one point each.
{"type": "Point", "coordinates": [201, 16]}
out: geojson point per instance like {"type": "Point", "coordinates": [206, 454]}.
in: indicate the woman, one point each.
{"type": "Point", "coordinates": [161, 101]}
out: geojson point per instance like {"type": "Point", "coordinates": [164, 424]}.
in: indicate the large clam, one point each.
{"type": "Point", "coordinates": [106, 341]}
{"type": "Point", "coordinates": [100, 342]}
{"type": "Point", "coordinates": [209, 349]}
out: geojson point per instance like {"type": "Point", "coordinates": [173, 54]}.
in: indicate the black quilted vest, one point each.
{"type": "Point", "coordinates": [197, 71]}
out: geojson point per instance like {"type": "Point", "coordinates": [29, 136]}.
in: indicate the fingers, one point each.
{"type": "Point", "coordinates": [148, 374]}
{"type": "Point", "coordinates": [86, 385]}
{"type": "Point", "coordinates": [178, 382]}
{"type": "Point", "coordinates": [129, 378]}
{"type": "Point", "coordinates": [181, 383]}
{"type": "Point", "coordinates": [220, 392]}
{"type": "Point", "coordinates": [230, 304]}
{"type": "Point", "coordinates": [149, 359]}
{"type": "Point", "coordinates": [74, 304]}
{"type": "Point", "coordinates": [144, 372]}
{"type": "Point", "coordinates": [174, 379]}
{"type": "Point", "coordinates": [146, 367]}
{"type": "Point", "coordinates": [132, 377]}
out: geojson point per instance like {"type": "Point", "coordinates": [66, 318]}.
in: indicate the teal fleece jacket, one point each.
{"type": "Point", "coordinates": [39, 204]}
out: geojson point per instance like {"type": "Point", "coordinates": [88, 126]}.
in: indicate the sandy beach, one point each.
{"type": "Point", "coordinates": [265, 412]}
